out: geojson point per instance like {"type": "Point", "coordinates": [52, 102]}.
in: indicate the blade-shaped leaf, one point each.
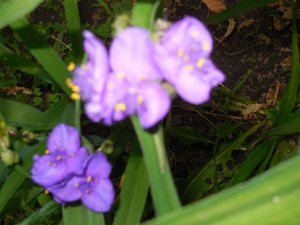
{"type": "Point", "coordinates": [11, 10]}
{"type": "Point", "coordinates": [43, 53]}
{"type": "Point", "coordinates": [16, 179]}
{"type": "Point", "coordinates": [78, 215]}
{"type": "Point", "coordinates": [290, 94]}
{"type": "Point", "coordinates": [134, 191]}
{"type": "Point", "coordinates": [25, 116]}
{"type": "Point", "coordinates": [73, 23]}
{"type": "Point", "coordinates": [270, 198]}
{"type": "Point", "coordinates": [38, 216]}
{"type": "Point", "coordinates": [163, 190]}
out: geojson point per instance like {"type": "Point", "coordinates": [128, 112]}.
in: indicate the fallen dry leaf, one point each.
{"type": "Point", "coordinates": [263, 39]}
{"type": "Point", "coordinates": [229, 30]}
{"type": "Point", "coordinates": [15, 90]}
{"type": "Point", "coordinates": [215, 6]}
{"type": "Point", "coordinates": [280, 24]}
{"type": "Point", "coordinates": [246, 23]}
{"type": "Point", "coordinates": [251, 109]}
{"type": "Point", "coordinates": [272, 95]}
{"type": "Point", "coordinates": [287, 62]}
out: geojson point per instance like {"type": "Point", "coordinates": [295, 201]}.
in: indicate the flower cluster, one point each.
{"type": "Point", "coordinates": [70, 173]}
{"type": "Point", "coordinates": [129, 78]}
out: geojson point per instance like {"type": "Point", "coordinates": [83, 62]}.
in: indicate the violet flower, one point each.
{"type": "Point", "coordinates": [63, 158]}
{"type": "Point", "coordinates": [94, 187]}
{"type": "Point", "coordinates": [135, 85]}
{"type": "Point", "coordinates": [183, 56]}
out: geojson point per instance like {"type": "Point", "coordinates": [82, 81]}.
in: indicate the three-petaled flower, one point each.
{"type": "Point", "coordinates": [63, 158]}
{"type": "Point", "coordinates": [70, 174]}
{"type": "Point", "coordinates": [183, 55]}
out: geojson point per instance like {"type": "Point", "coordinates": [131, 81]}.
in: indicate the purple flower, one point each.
{"type": "Point", "coordinates": [135, 85]}
{"type": "Point", "coordinates": [63, 158]}
{"type": "Point", "coordinates": [94, 187]}
{"type": "Point", "coordinates": [132, 86]}
{"type": "Point", "coordinates": [91, 77]}
{"type": "Point", "coordinates": [183, 56]}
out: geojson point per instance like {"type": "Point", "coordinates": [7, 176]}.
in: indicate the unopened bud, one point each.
{"type": "Point", "coordinates": [9, 157]}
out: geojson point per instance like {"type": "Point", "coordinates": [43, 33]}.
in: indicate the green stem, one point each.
{"type": "Point", "coordinates": [163, 190]}
{"type": "Point", "coordinates": [77, 115]}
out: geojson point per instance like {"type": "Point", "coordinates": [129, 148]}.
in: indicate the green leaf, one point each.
{"type": "Point", "coordinates": [256, 156]}
{"type": "Point", "coordinates": [43, 53]}
{"type": "Point", "coordinates": [163, 190]}
{"type": "Point", "coordinates": [38, 216]}
{"type": "Point", "coordinates": [23, 115]}
{"type": "Point", "coordinates": [18, 62]}
{"type": "Point", "coordinates": [12, 10]}
{"type": "Point", "coordinates": [134, 190]}
{"type": "Point", "coordinates": [187, 135]}
{"type": "Point", "coordinates": [198, 185]}
{"type": "Point", "coordinates": [271, 198]}
{"type": "Point", "coordinates": [79, 215]}
{"type": "Point", "coordinates": [143, 13]}
{"type": "Point", "coordinates": [237, 9]}
{"type": "Point", "coordinates": [73, 23]}
{"type": "Point", "coordinates": [290, 94]}
{"type": "Point", "coordinates": [17, 177]}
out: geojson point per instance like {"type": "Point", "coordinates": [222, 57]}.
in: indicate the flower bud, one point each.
{"type": "Point", "coordinates": [9, 157]}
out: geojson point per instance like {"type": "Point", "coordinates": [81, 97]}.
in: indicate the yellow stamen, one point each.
{"type": "Point", "coordinates": [121, 75]}
{"type": "Point", "coordinates": [140, 99]}
{"type": "Point", "coordinates": [195, 34]}
{"type": "Point", "coordinates": [200, 62]}
{"type": "Point", "coordinates": [75, 96]}
{"type": "Point", "coordinates": [76, 184]}
{"type": "Point", "coordinates": [46, 192]}
{"type": "Point", "coordinates": [88, 179]}
{"type": "Point", "coordinates": [75, 88]}
{"type": "Point", "coordinates": [206, 46]}
{"type": "Point", "coordinates": [58, 157]}
{"type": "Point", "coordinates": [69, 82]}
{"type": "Point", "coordinates": [180, 53]}
{"type": "Point", "coordinates": [110, 85]}
{"type": "Point", "coordinates": [189, 68]}
{"type": "Point", "coordinates": [47, 152]}
{"type": "Point", "coordinates": [71, 66]}
{"type": "Point", "coordinates": [120, 106]}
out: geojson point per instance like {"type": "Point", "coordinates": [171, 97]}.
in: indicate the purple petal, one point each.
{"type": "Point", "coordinates": [189, 35]}
{"type": "Point", "coordinates": [62, 138]}
{"type": "Point", "coordinates": [91, 77]}
{"type": "Point", "coordinates": [101, 198]}
{"type": "Point", "coordinates": [98, 166]}
{"type": "Point", "coordinates": [76, 163]}
{"type": "Point", "coordinates": [97, 54]}
{"type": "Point", "coordinates": [131, 54]}
{"type": "Point", "coordinates": [46, 172]}
{"type": "Point", "coordinates": [153, 104]}
{"type": "Point", "coordinates": [68, 191]}
{"type": "Point", "coordinates": [195, 86]}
